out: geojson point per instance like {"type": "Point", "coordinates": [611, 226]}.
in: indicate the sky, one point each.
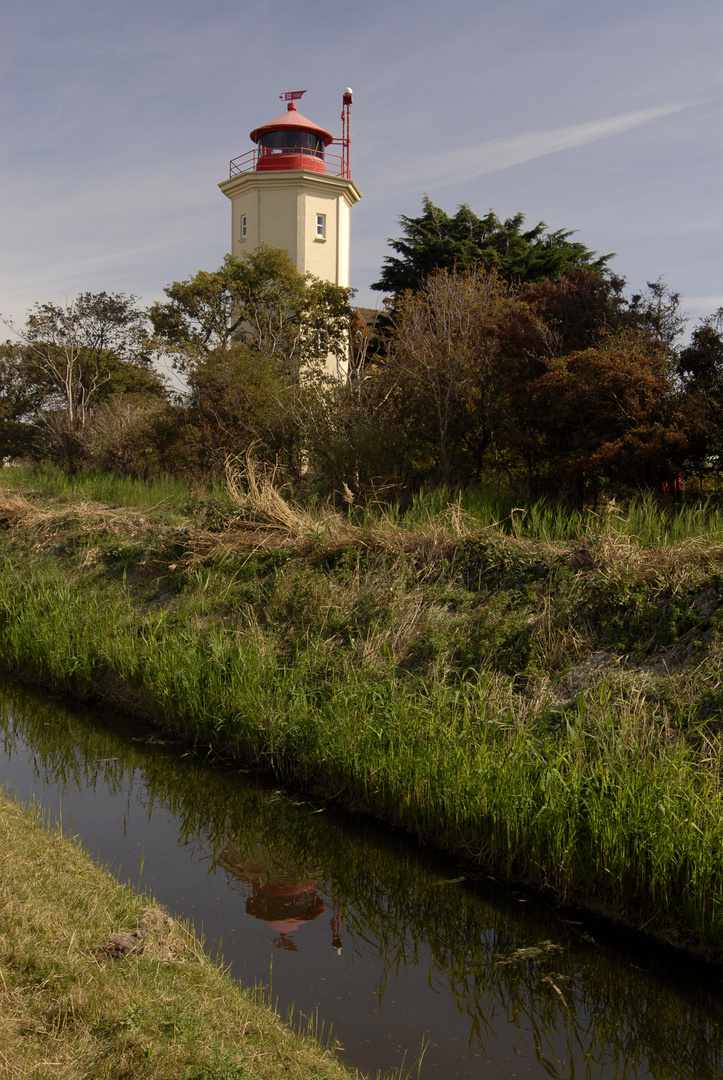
{"type": "Point", "coordinates": [119, 118]}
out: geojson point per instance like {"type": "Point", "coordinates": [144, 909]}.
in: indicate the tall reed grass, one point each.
{"type": "Point", "coordinates": [603, 801]}
{"type": "Point", "coordinates": [645, 519]}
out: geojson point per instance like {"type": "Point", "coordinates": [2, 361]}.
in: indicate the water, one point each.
{"type": "Point", "coordinates": [391, 947]}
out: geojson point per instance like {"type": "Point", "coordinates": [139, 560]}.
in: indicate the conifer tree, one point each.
{"type": "Point", "coordinates": [437, 241]}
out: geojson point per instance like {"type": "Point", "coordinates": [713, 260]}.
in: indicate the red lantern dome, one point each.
{"type": "Point", "coordinates": [291, 141]}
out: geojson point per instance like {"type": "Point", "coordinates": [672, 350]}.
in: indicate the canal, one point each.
{"type": "Point", "coordinates": [390, 947]}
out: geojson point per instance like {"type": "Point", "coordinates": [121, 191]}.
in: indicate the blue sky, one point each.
{"type": "Point", "coordinates": [119, 118]}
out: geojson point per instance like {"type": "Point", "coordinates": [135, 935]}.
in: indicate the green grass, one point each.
{"type": "Point", "coordinates": [646, 519]}
{"type": "Point", "coordinates": [106, 488]}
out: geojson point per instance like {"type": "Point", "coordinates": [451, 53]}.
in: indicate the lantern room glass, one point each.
{"type": "Point", "coordinates": [291, 142]}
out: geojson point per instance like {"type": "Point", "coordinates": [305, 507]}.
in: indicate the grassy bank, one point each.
{"type": "Point", "coordinates": [97, 983]}
{"type": "Point", "coordinates": [538, 693]}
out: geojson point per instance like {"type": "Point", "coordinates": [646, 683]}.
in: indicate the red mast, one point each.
{"type": "Point", "coordinates": [346, 133]}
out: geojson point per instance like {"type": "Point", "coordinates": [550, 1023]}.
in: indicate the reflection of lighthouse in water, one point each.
{"type": "Point", "coordinates": [279, 898]}
{"type": "Point", "coordinates": [284, 906]}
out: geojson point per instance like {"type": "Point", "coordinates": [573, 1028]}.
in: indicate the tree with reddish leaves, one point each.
{"type": "Point", "coordinates": [577, 310]}
{"type": "Point", "coordinates": [543, 382]}
{"type": "Point", "coordinates": [602, 413]}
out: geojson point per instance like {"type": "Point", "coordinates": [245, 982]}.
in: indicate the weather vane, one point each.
{"type": "Point", "coordinates": [292, 95]}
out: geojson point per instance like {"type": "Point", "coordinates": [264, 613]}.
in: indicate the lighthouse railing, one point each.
{"type": "Point", "coordinates": [336, 164]}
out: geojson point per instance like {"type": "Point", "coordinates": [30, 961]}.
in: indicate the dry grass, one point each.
{"type": "Point", "coordinates": [267, 519]}
{"type": "Point", "coordinates": [255, 490]}
{"type": "Point", "coordinates": [615, 551]}
{"type": "Point", "coordinates": [15, 510]}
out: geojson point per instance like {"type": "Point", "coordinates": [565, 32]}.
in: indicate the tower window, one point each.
{"type": "Point", "coordinates": [321, 226]}
{"type": "Point", "coordinates": [243, 226]}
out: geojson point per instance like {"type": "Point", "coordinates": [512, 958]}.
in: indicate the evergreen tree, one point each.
{"type": "Point", "coordinates": [436, 241]}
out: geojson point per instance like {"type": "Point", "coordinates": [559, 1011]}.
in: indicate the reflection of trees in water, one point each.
{"type": "Point", "coordinates": [568, 999]}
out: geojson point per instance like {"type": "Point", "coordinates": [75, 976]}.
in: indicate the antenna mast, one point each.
{"type": "Point", "coordinates": [346, 133]}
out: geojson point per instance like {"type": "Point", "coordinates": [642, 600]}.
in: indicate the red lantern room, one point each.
{"type": "Point", "coordinates": [291, 142]}
{"type": "Point", "coordinates": [294, 191]}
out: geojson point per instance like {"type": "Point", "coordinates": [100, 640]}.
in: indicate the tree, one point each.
{"type": "Point", "coordinates": [436, 241]}
{"type": "Point", "coordinates": [441, 375]}
{"type": "Point", "coordinates": [261, 301]}
{"type": "Point", "coordinates": [700, 369]}
{"type": "Point", "coordinates": [700, 364]}
{"type": "Point", "coordinates": [604, 411]}
{"type": "Point", "coordinates": [657, 313]}
{"type": "Point", "coordinates": [127, 433]}
{"type": "Point", "coordinates": [71, 349]}
{"type": "Point", "coordinates": [576, 311]}
{"type": "Point", "coordinates": [551, 382]}
{"type": "Point", "coordinates": [238, 398]}
{"type": "Point", "coordinates": [253, 338]}
{"type": "Point", "coordinates": [19, 402]}
{"type": "Point", "coordinates": [71, 357]}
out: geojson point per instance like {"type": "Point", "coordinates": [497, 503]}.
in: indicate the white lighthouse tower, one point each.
{"type": "Point", "coordinates": [291, 192]}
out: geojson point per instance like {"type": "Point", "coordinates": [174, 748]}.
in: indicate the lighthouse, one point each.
{"type": "Point", "coordinates": [293, 192]}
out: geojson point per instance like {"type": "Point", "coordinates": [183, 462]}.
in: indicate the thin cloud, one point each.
{"type": "Point", "coordinates": [461, 165]}
{"type": "Point", "coordinates": [706, 304]}
{"type": "Point", "coordinates": [129, 257]}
